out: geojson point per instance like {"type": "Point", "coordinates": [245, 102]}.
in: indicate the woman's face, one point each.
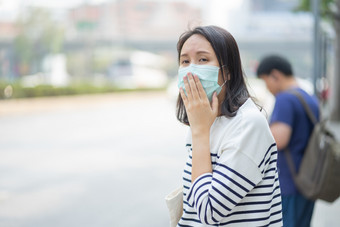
{"type": "Point", "coordinates": [197, 50]}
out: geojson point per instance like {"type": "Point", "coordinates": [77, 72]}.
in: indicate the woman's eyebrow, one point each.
{"type": "Point", "coordinates": [184, 55]}
{"type": "Point", "coordinates": [198, 52]}
{"type": "Point", "coordinates": [202, 52]}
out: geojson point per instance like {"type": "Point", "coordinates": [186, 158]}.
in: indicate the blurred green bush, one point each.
{"type": "Point", "coordinates": [15, 90]}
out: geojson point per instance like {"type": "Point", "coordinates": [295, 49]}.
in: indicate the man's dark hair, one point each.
{"type": "Point", "coordinates": [227, 53]}
{"type": "Point", "coordinates": [272, 62]}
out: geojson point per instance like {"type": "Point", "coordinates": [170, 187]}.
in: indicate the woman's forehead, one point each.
{"type": "Point", "coordinates": [196, 43]}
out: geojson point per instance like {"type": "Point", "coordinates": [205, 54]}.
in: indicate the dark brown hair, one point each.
{"type": "Point", "coordinates": [227, 53]}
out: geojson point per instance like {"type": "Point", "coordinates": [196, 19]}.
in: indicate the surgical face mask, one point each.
{"type": "Point", "coordinates": [208, 75]}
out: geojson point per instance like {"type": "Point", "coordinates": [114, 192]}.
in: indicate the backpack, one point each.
{"type": "Point", "coordinates": [319, 173]}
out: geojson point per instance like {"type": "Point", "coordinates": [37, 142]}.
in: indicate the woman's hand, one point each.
{"type": "Point", "coordinates": [201, 114]}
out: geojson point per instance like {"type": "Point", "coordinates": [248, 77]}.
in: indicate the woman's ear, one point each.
{"type": "Point", "coordinates": [226, 73]}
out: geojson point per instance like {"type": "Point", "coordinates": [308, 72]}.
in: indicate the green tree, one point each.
{"type": "Point", "coordinates": [325, 5]}
{"type": "Point", "coordinates": [330, 11]}
{"type": "Point", "coordinates": [38, 35]}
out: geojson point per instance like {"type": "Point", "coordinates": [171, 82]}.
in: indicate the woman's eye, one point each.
{"type": "Point", "coordinates": [203, 60]}
{"type": "Point", "coordinates": [185, 62]}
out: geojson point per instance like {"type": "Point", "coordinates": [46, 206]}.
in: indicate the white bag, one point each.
{"type": "Point", "coordinates": [174, 201]}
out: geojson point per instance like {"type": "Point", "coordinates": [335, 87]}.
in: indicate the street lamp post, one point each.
{"type": "Point", "coordinates": [316, 42]}
{"type": "Point", "coordinates": [335, 84]}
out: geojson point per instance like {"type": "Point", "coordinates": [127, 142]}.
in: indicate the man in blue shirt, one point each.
{"type": "Point", "coordinates": [291, 129]}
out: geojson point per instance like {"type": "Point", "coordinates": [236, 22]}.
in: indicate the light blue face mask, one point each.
{"type": "Point", "coordinates": [208, 75]}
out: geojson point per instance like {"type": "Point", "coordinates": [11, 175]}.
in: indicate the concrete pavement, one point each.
{"type": "Point", "coordinates": [97, 160]}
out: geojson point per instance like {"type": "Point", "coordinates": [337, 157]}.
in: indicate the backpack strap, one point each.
{"type": "Point", "coordinates": [308, 110]}
{"type": "Point", "coordinates": [312, 118]}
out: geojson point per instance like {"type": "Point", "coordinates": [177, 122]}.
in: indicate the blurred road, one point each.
{"type": "Point", "coordinates": [99, 160]}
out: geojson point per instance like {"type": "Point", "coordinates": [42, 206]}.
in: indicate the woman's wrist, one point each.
{"type": "Point", "coordinates": [201, 161]}
{"type": "Point", "coordinates": [199, 133]}
{"type": "Point", "coordinates": [201, 145]}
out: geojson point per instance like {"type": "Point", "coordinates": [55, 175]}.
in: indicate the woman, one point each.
{"type": "Point", "coordinates": [230, 177]}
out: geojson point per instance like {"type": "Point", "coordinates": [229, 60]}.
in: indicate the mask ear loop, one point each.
{"type": "Point", "coordinates": [224, 83]}
{"type": "Point", "coordinates": [227, 76]}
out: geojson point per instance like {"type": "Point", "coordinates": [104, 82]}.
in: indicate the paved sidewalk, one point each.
{"type": "Point", "coordinates": [95, 160]}
{"type": "Point", "coordinates": [326, 214]}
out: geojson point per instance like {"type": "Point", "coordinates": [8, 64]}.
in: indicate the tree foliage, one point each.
{"type": "Point", "coordinates": [38, 35]}
{"type": "Point", "coordinates": [327, 10]}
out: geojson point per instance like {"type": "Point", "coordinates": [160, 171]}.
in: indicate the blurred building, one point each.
{"type": "Point", "coordinates": [131, 22]}
{"type": "Point", "coordinates": [259, 26]}
{"type": "Point", "coordinates": [8, 31]}
{"type": "Point", "coordinates": [264, 27]}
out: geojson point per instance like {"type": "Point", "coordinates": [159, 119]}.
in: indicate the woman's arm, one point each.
{"type": "Point", "coordinates": [201, 116]}
{"type": "Point", "coordinates": [201, 160]}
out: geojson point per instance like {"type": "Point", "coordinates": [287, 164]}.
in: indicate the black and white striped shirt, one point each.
{"type": "Point", "coordinates": [243, 189]}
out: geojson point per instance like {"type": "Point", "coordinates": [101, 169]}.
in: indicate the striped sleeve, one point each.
{"type": "Point", "coordinates": [215, 194]}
